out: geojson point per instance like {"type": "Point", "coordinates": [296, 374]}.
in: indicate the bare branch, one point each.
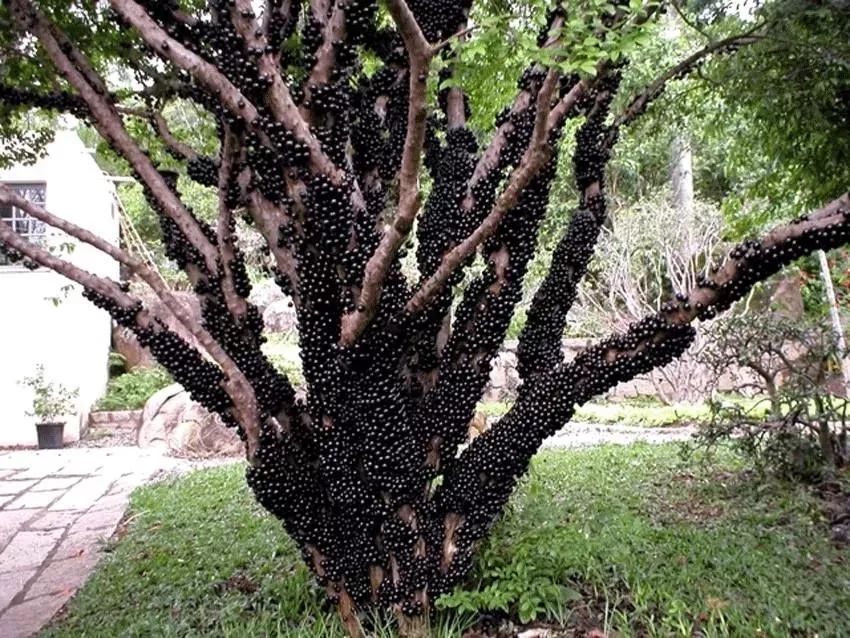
{"type": "Point", "coordinates": [639, 103]}
{"type": "Point", "coordinates": [181, 148]}
{"type": "Point", "coordinates": [229, 152]}
{"type": "Point", "coordinates": [439, 46]}
{"type": "Point", "coordinates": [455, 108]}
{"type": "Point", "coordinates": [268, 216]}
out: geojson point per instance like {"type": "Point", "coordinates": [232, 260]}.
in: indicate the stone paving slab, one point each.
{"type": "Point", "coordinates": [10, 486]}
{"type": "Point", "coordinates": [50, 484]}
{"type": "Point", "coordinates": [28, 549]}
{"type": "Point", "coordinates": [57, 507]}
{"type": "Point", "coordinates": [34, 500]}
{"type": "Point", "coordinates": [25, 618]}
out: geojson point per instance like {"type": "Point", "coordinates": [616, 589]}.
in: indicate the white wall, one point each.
{"type": "Point", "coordinates": [72, 339]}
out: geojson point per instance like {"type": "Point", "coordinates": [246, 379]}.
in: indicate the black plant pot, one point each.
{"type": "Point", "coordinates": [50, 435]}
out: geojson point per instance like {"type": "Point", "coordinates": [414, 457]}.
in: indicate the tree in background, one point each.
{"type": "Point", "coordinates": [346, 138]}
{"type": "Point", "coordinates": [648, 252]}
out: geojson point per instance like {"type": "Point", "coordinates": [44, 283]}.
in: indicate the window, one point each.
{"type": "Point", "coordinates": [30, 229]}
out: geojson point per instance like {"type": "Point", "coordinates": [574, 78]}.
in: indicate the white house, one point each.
{"type": "Point", "coordinates": [70, 338]}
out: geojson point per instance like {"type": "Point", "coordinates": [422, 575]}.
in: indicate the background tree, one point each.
{"type": "Point", "coordinates": [345, 137]}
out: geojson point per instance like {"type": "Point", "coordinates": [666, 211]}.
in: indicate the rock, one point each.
{"type": "Point", "coordinates": [786, 299]}
{"type": "Point", "coordinates": [173, 421]}
{"type": "Point", "coordinates": [265, 293]}
{"type": "Point", "coordinates": [280, 316]}
{"type": "Point", "coordinates": [148, 434]}
{"type": "Point", "coordinates": [840, 534]}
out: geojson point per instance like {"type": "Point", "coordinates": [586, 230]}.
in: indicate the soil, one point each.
{"type": "Point", "coordinates": [836, 507]}
{"type": "Point", "coordinates": [586, 620]}
{"type": "Point", "coordinates": [106, 437]}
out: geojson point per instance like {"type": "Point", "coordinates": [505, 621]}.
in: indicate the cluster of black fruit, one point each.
{"type": "Point", "coordinates": [440, 19]}
{"type": "Point", "coordinates": [61, 101]}
{"type": "Point", "coordinates": [484, 314]}
{"type": "Point", "coordinates": [539, 346]}
{"type": "Point", "coordinates": [203, 170]}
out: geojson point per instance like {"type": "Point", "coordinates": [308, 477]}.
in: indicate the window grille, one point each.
{"type": "Point", "coordinates": [31, 229]}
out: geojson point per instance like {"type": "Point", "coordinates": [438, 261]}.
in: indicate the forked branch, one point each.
{"type": "Point", "coordinates": [536, 155]}
{"type": "Point", "coordinates": [410, 199]}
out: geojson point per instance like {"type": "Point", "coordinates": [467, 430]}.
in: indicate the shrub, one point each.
{"type": "Point", "coordinates": [131, 390]}
{"type": "Point", "coordinates": [799, 429]}
{"type": "Point", "coordinates": [51, 401]}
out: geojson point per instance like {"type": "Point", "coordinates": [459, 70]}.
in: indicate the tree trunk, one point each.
{"type": "Point", "coordinates": [414, 626]}
{"type": "Point", "coordinates": [682, 177]}
{"type": "Point", "coordinates": [835, 318]}
{"type": "Point", "coordinates": [348, 615]}
{"type": "Point", "coordinates": [825, 439]}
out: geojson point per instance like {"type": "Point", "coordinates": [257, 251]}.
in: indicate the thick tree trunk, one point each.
{"type": "Point", "coordinates": [349, 618]}
{"type": "Point", "coordinates": [414, 626]}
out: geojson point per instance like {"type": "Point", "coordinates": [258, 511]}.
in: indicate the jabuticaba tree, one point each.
{"type": "Point", "coordinates": [367, 472]}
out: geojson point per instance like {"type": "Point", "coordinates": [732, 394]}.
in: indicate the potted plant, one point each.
{"type": "Point", "coordinates": [51, 403]}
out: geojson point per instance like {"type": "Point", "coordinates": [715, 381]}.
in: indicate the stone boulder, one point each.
{"type": "Point", "coordinates": [172, 421]}
{"type": "Point", "coordinates": [265, 293]}
{"type": "Point", "coordinates": [786, 298]}
{"type": "Point", "coordinates": [280, 316]}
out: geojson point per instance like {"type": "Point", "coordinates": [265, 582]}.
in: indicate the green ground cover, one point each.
{"type": "Point", "coordinates": [623, 539]}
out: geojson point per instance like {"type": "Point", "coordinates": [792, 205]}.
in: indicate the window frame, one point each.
{"type": "Point", "coordinates": [6, 266]}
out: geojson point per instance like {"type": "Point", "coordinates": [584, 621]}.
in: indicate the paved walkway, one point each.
{"type": "Point", "coordinates": [56, 507]}
{"type": "Point", "coordinates": [578, 434]}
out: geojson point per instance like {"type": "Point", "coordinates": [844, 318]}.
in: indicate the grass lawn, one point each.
{"type": "Point", "coordinates": [625, 539]}
{"type": "Point", "coordinates": [641, 411]}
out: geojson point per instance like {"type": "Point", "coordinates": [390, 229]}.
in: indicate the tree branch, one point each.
{"type": "Point", "coordinates": [110, 126]}
{"type": "Point", "coordinates": [230, 148]}
{"type": "Point", "coordinates": [181, 148]}
{"type": "Point", "coordinates": [414, 40]}
{"type": "Point", "coordinates": [539, 346]}
{"type": "Point", "coordinates": [229, 95]}
{"type": "Point", "coordinates": [535, 156]}
{"type": "Point", "coordinates": [488, 469]}
{"type": "Point", "coordinates": [237, 384]}
{"type": "Point", "coordinates": [410, 198]}
{"type": "Point", "coordinates": [639, 103]}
